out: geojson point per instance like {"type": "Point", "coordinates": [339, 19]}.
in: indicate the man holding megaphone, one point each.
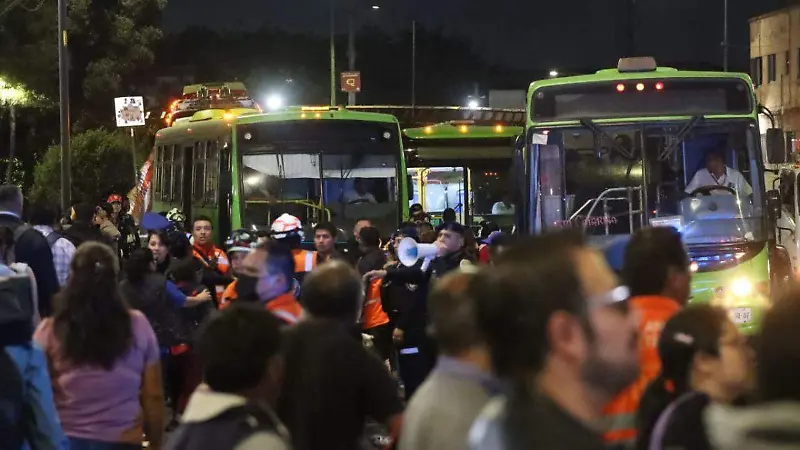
{"type": "Point", "coordinates": [421, 263]}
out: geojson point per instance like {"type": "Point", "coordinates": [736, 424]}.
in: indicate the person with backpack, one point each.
{"type": "Point", "coordinates": [30, 247]}
{"type": "Point", "coordinates": [242, 367]}
{"type": "Point", "coordinates": [28, 417]}
{"type": "Point", "coordinates": [44, 219]}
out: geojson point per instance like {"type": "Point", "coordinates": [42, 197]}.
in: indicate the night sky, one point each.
{"type": "Point", "coordinates": [521, 34]}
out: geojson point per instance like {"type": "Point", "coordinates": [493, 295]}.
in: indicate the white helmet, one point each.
{"type": "Point", "coordinates": [285, 226]}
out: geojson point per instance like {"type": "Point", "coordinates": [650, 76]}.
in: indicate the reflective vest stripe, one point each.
{"type": "Point", "coordinates": [310, 261]}
{"type": "Point", "coordinates": [619, 428]}
{"type": "Point", "coordinates": [286, 316]}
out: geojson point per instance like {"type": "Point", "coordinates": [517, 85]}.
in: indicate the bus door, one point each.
{"type": "Point", "coordinates": [186, 182]}
{"type": "Point", "coordinates": [548, 166]}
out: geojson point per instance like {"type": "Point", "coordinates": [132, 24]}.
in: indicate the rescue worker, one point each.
{"type": "Point", "coordinates": [374, 320]}
{"type": "Point", "coordinates": [267, 276]}
{"type": "Point", "coordinates": [656, 269]}
{"type": "Point", "coordinates": [129, 233]}
{"type": "Point", "coordinates": [216, 267]}
{"type": "Point", "coordinates": [288, 230]}
{"type": "Point", "coordinates": [238, 245]}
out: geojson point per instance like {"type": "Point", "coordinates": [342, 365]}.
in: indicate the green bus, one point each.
{"type": "Point", "coordinates": [244, 168]}
{"type": "Point", "coordinates": [626, 148]}
{"type": "Point", "coordinates": [464, 165]}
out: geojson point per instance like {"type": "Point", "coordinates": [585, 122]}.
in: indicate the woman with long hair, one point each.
{"type": "Point", "coordinates": [158, 242]}
{"type": "Point", "coordinates": [704, 359]}
{"type": "Point", "coordinates": [103, 359]}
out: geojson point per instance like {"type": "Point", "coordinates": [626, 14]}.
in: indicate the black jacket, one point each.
{"type": "Point", "coordinates": [32, 249]}
{"type": "Point", "coordinates": [80, 232]}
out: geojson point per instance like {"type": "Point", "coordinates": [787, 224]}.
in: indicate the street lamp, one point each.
{"type": "Point", "coordinates": [376, 7]}
{"type": "Point", "coordinates": [275, 102]}
{"type": "Point", "coordinates": [553, 73]}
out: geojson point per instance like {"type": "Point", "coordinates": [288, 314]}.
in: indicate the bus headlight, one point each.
{"type": "Point", "coordinates": [741, 287]}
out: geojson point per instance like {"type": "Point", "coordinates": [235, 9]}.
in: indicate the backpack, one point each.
{"type": "Point", "coordinates": [227, 430]}
{"type": "Point", "coordinates": [52, 238]}
{"type": "Point", "coordinates": [12, 402]}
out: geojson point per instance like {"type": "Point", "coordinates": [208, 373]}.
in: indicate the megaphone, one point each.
{"type": "Point", "coordinates": [409, 252]}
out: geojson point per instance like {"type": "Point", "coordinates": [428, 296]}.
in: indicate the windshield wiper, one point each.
{"type": "Point", "coordinates": [679, 137]}
{"type": "Point", "coordinates": [588, 123]}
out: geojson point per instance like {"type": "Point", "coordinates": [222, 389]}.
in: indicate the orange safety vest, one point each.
{"type": "Point", "coordinates": [304, 260]}
{"type": "Point", "coordinates": [374, 315]}
{"type": "Point", "coordinates": [223, 264]}
{"type": "Point", "coordinates": [286, 308]}
{"type": "Point", "coordinates": [229, 295]}
{"type": "Point", "coordinates": [620, 414]}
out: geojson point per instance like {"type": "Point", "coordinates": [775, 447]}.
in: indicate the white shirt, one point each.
{"type": "Point", "coordinates": [732, 178]}
{"type": "Point", "coordinates": [353, 196]}
{"type": "Point", "coordinates": [500, 208]}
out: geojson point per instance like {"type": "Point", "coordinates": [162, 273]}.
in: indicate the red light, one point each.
{"type": "Point", "coordinates": [640, 87]}
{"type": "Point", "coordinates": [620, 87]}
{"type": "Point", "coordinates": [659, 86]}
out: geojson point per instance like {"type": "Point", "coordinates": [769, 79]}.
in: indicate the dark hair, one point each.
{"type": "Point", "coordinates": [139, 265]}
{"type": "Point", "coordinates": [329, 227]}
{"type": "Point", "coordinates": [426, 225]}
{"type": "Point", "coordinates": [44, 213]}
{"type": "Point", "coordinates": [649, 256]}
{"type": "Point", "coordinates": [92, 322]}
{"type": "Point", "coordinates": [363, 219]}
{"type": "Point", "coordinates": [415, 208]}
{"type": "Point", "coordinates": [695, 329]}
{"type": "Point", "coordinates": [370, 237]}
{"type": "Point", "coordinates": [184, 270]}
{"type": "Point", "coordinates": [202, 218]}
{"type": "Point", "coordinates": [452, 306]}
{"type": "Point", "coordinates": [84, 212]}
{"type": "Point", "coordinates": [11, 198]}
{"type": "Point", "coordinates": [778, 349]}
{"type": "Point", "coordinates": [236, 346]}
{"type": "Point", "coordinates": [279, 259]}
{"type": "Point", "coordinates": [531, 281]}
{"type": "Point", "coordinates": [333, 291]}
{"type": "Point", "coordinates": [449, 215]}
{"type": "Point", "coordinates": [106, 208]}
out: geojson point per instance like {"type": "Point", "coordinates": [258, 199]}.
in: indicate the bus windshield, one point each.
{"type": "Point", "coordinates": [320, 170]}
{"type": "Point", "coordinates": [703, 179]}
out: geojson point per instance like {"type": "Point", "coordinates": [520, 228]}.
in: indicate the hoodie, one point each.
{"type": "Point", "coordinates": [767, 426]}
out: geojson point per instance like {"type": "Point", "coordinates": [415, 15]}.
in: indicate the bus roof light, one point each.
{"type": "Point", "coordinates": [428, 129]}
{"type": "Point", "coordinates": [498, 128]}
{"type": "Point", "coordinates": [620, 87]}
{"type": "Point", "coordinates": [638, 64]}
{"type": "Point", "coordinates": [463, 128]}
{"type": "Point", "coordinates": [640, 87]}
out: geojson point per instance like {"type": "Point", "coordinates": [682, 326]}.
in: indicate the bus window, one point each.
{"type": "Point", "coordinates": [199, 172]}
{"type": "Point", "coordinates": [489, 196]}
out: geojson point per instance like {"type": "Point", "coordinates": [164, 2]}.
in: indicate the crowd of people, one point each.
{"type": "Point", "coordinates": [492, 342]}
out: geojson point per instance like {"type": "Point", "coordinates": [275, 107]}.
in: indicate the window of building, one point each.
{"type": "Point", "coordinates": [756, 71]}
{"type": "Point", "coordinates": [771, 72]}
{"type": "Point", "coordinates": [788, 68]}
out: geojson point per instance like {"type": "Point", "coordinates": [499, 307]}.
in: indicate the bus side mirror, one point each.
{"type": "Point", "coordinates": [774, 207]}
{"type": "Point", "coordinates": [776, 146]}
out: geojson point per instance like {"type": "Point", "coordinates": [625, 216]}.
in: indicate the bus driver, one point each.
{"type": "Point", "coordinates": [717, 173]}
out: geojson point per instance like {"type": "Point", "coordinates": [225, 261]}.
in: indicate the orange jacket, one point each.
{"type": "Point", "coordinates": [620, 414]}
{"type": "Point", "coordinates": [286, 308]}
{"type": "Point", "coordinates": [204, 255]}
{"type": "Point", "coordinates": [228, 295]}
{"type": "Point", "coordinates": [374, 315]}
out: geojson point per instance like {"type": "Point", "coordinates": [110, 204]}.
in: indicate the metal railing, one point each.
{"type": "Point", "coordinates": [605, 200]}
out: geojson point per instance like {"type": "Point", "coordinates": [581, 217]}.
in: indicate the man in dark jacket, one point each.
{"type": "Point", "coordinates": [30, 248]}
{"type": "Point", "coordinates": [83, 228]}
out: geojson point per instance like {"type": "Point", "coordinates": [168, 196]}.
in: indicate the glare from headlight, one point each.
{"type": "Point", "coordinates": [742, 287]}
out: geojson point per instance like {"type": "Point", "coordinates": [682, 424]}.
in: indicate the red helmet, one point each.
{"type": "Point", "coordinates": [114, 198]}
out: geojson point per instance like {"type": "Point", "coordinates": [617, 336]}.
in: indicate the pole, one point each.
{"type": "Point", "coordinates": [63, 85]}
{"type": "Point", "coordinates": [351, 53]}
{"type": "Point", "coordinates": [413, 63]}
{"type": "Point", "coordinates": [333, 57]}
{"type": "Point", "coordinates": [725, 36]}
{"type": "Point", "coordinates": [133, 160]}
{"type": "Point", "coordinates": [12, 145]}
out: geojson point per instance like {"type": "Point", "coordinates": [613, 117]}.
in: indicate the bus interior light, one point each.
{"type": "Point", "coordinates": [640, 87]}
{"type": "Point", "coordinates": [620, 87]}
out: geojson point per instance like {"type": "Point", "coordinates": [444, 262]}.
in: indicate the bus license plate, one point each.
{"type": "Point", "coordinates": [741, 315]}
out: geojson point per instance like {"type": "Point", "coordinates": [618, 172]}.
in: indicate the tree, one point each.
{"type": "Point", "coordinates": [101, 165]}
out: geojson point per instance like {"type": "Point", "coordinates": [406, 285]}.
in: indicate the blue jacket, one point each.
{"type": "Point", "coordinates": [44, 429]}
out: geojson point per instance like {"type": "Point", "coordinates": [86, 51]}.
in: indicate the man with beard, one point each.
{"type": "Point", "coordinates": [556, 320]}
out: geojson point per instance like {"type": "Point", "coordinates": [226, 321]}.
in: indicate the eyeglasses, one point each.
{"type": "Point", "coordinates": [616, 297]}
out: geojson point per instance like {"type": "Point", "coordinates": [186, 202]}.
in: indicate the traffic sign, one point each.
{"type": "Point", "coordinates": [351, 81]}
{"type": "Point", "coordinates": [129, 111]}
